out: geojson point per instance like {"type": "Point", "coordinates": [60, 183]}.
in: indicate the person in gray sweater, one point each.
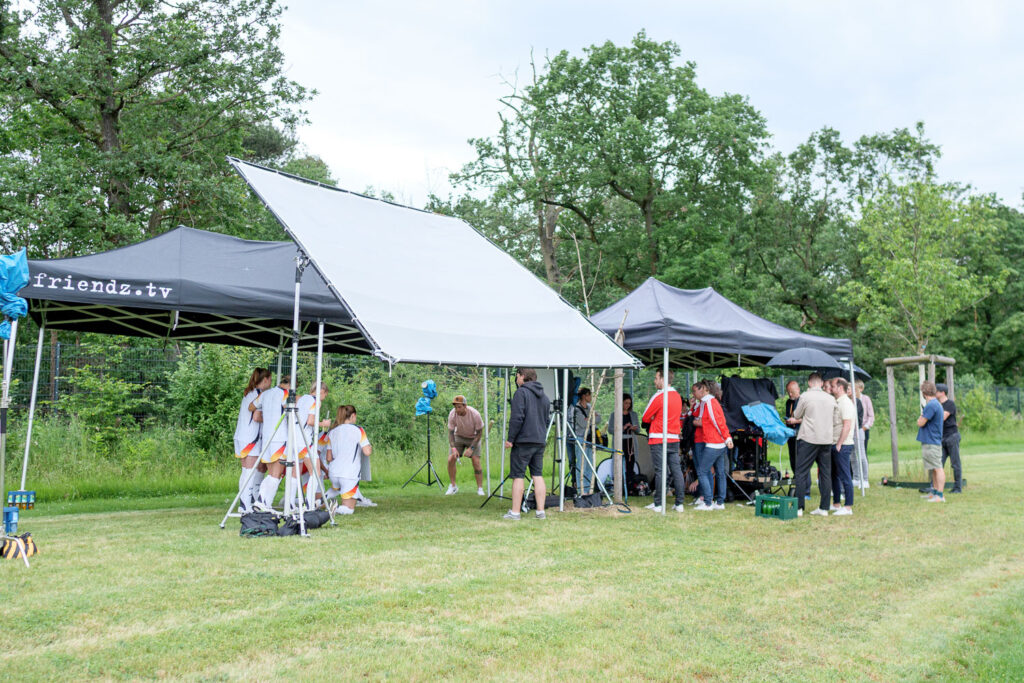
{"type": "Point", "coordinates": [527, 434]}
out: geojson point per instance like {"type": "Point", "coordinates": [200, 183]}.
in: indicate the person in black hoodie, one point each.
{"type": "Point", "coordinates": [527, 432]}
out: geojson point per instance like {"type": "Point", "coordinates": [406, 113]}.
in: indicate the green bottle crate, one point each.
{"type": "Point", "coordinates": [775, 507]}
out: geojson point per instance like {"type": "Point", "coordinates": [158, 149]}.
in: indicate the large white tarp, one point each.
{"type": "Point", "coordinates": [426, 288]}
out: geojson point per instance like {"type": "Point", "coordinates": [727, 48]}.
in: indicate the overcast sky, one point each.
{"type": "Point", "coordinates": [403, 85]}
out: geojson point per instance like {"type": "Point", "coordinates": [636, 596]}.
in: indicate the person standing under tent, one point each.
{"type": "Point", "coordinates": [842, 475]}
{"type": "Point", "coordinates": [527, 434]}
{"type": "Point", "coordinates": [270, 405]}
{"type": "Point", "coordinates": [346, 444]}
{"type": "Point", "coordinates": [818, 414]}
{"type": "Point", "coordinates": [710, 418]}
{"type": "Point", "coordinates": [793, 397]}
{"type": "Point", "coordinates": [305, 412]}
{"type": "Point", "coordinates": [465, 427]}
{"type": "Point", "coordinates": [665, 442]}
{"type": "Point", "coordinates": [865, 421]}
{"type": "Point", "coordinates": [929, 433]}
{"type": "Point", "coordinates": [630, 426]}
{"type": "Point", "coordinates": [950, 436]}
{"type": "Point", "coordinates": [582, 455]}
{"type": "Point", "coordinates": [247, 437]}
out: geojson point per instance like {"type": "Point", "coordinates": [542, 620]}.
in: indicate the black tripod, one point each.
{"type": "Point", "coordinates": [428, 465]}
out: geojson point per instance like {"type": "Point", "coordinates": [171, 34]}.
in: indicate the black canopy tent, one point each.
{"type": "Point", "coordinates": [191, 285]}
{"type": "Point", "coordinates": [702, 329]}
{"type": "Point", "coordinates": [699, 328]}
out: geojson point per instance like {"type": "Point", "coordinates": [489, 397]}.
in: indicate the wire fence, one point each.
{"type": "Point", "coordinates": [146, 371]}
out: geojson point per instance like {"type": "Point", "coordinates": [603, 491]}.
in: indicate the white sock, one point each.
{"type": "Point", "coordinates": [268, 490]}
{"type": "Point", "coordinates": [245, 490]}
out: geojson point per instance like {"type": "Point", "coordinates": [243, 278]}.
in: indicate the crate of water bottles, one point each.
{"type": "Point", "coordinates": [23, 500]}
{"type": "Point", "coordinates": [775, 507]}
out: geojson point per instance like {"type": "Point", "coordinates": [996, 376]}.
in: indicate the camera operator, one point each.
{"type": "Point", "coordinates": [527, 433]}
{"type": "Point", "coordinates": [465, 427]}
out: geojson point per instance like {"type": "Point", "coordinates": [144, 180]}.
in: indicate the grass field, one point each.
{"type": "Point", "coordinates": [427, 587]}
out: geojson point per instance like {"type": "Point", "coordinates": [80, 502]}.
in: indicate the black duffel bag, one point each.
{"type": "Point", "coordinates": [314, 520]}
{"type": "Point", "coordinates": [550, 501]}
{"type": "Point", "coordinates": [590, 500]}
{"type": "Point", "coordinates": [258, 524]}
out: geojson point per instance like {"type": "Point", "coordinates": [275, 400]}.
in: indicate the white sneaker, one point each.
{"type": "Point", "coordinates": [514, 516]}
{"type": "Point", "coordinates": [480, 491]}
{"type": "Point", "coordinates": [344, 510]}
{"type": "Point", "coordinates": [679, 508]}
{"type": "Point", "coordinates": [703, 508]}
{"type": "Point", "coordinates": [799, 513]}
{"type": "Point", "coordinates": [365, 503]}
{"type": "Point", "coordinates": [843, 511]}
{"type": "Point", "coordinates": [718, 506]}
{"type": "Point", "coordinates": [452, 489]}
{"type": "Point", "coordinates": [819, 512]}
{"type": "Point", "coordinates": [699, 501]}
{"type": "Point", "coordinates": [654, 508]}
{"type": "Point", "coordinates": [260, 506]}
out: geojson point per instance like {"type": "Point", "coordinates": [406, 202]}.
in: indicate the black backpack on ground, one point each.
{"type": "Point", "coordinates": [590, 500]}
{"type": "Point", "coordinates": [258, 524]}
{"type": "Point", "coordinates": [314, 520]}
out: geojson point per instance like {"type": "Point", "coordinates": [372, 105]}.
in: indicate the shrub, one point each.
{"type": "Point", "coordinates": [979, 412]}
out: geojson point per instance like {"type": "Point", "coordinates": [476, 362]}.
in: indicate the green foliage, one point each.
{"type": "Point", "coordinates": [118, 116]}
{"type": "Point", "coordinates": [917, 277]}
{"type": "Point", "coordinates": [104, 397]}
{"type": "Point", "coordinates": [979, 411]}
{"type": "Point", "coordinates": [206, 390]}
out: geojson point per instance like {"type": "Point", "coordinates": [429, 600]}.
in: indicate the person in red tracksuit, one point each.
{"type": "Point", "coordinates": [659, 438]}
{"type": "Point", "coordinates": [710, 419]}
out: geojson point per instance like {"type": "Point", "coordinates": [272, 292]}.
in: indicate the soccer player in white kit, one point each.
{"type": "Point", "coordinates": [345, 443]}
{"type": "Point", "coordinates": [270, 403]}
{"type": "Point", "coordinates": [247, 437]}
{"type": "Point", "coordinates": [306, 409]}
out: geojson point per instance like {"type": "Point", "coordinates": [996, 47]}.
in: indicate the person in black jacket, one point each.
{"type": "Point", "coordinates": [527, 433]}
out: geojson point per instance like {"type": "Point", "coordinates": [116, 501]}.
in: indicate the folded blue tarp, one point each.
{"type": "Point", "coordinates": [767, 418]}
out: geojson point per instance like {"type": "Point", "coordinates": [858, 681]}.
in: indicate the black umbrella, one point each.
{"type": "Point", "coordinates": [802, 358]}
{"type": "Point", "coordinates": [844, 372]}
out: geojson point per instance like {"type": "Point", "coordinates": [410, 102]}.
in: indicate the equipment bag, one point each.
{"type": "Point", "coordinates": [550, 501]}
{"type": "Point", "coordinates": [592, 500]}
{"type": "Point", "coordinates": [317, 518]}
{"type": "Point", "coordinates": [258, 524]}
{"type": "Point", "coordinates": [11, 549]}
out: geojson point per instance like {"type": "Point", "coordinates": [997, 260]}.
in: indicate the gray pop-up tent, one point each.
{"type": "Point", "coordinates": [700, 328]}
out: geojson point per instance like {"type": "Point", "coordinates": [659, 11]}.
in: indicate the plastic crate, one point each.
{"type": "Point", "coordinates": [775, 507]}
{"type": "Point", "coordinates": [23, 500]}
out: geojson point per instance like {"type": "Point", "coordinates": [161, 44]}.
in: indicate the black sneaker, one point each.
{"type": "Point", "coordinates": [926, 489]}
{"type": "Point", "coordinates": [956, 490]}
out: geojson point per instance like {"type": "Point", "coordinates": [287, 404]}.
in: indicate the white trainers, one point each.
{"type": "Point", "coordinates": [936, 499]}
{"type": "Point", "coordinates": [452, 489]}
{"type": "Point", "coordinates": [480, 491]}
{"type": "Point", "coordinates": [514, 516]}
{"type": "Point", "coordinates": [799, 513]}
{"type": "Point", "coordinates": [703, 508]}
{"type": "Point", "coordinates": [843, 511]}
{"type": "Point", "coordinates": [718, 506]}
{"type": "Point", "coordinates": [699, 501]}
{"type": "Point", "coordinates": [260, 506]}
{"type": "Point", "coordinates": [365, 503]}
{"type": "Point", "coordinates": [344, 510]}
{"type": "Point", "coordinates": [654, 507]}
{"type": "Point", "coordinates": [819, 512]}
{"type": "Point", "coordinates": [679, 508]}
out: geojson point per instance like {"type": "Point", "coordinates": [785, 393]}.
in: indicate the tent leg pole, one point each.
{"type": "Point", "coordinates": [291, 449]}
{"type": "Point", "coordinates": [858, 438]}
{"type": "Point", "coordinates": [504, 428]}
{"type": "Point", "coordinates": [4, 400]}
{"type": "Point", "coordinates": [31, 408]}
{"type": "Point", "coordinates": [487, 433]}
{"type": "Point", "coordinates": [565, 435]}
{"type": "Point", "coordinates": [664, 430]}
{"type": "Point", "coordinates": [314, 455]}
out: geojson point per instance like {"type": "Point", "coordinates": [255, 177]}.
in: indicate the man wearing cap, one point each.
{"type": "Point", "coordinates": [950, 436]}
{"type": "Point", "coordinates": [465, 426]}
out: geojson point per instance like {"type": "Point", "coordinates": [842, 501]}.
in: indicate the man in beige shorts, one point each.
{"type": "Point", "coordinates": [929, 433]}
{"type": "Point", "coordinates": [465, 427]}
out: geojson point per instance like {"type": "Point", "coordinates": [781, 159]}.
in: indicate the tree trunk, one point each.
{"type": "Point", "coordinates": [110, 113]}
{"type": "Point", "coordinates": [652, 245]}
{"type": "Point", "coordinates": [547, 219]}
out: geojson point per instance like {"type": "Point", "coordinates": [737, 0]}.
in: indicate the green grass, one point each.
{"type": "Point", "coordinates": [427, 586]}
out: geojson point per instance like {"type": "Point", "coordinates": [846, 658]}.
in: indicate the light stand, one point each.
{"type": "Point", "coordinates": [428, 465]}
{"type": "Point", "coordinates": [5, 400]}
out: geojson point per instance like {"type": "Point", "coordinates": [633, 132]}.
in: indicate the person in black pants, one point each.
{"type": "Point", "coordinates": [819, 430]}
{"type": "Point", "coordinates": [527, 431]}
{"type": "Point", "coordinates": [950, 436]}
{"type": "Point", "coordinates": [793, 389]}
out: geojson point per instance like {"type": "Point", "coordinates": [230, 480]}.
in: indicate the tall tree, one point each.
{"type": "Point", "coordinates": [118, 115]}
{"type": "Point", "coordinates": [916, 277]}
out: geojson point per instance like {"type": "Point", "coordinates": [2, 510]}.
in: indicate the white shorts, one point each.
{"type": "Point", "coordinates": [275, 452]}
{"type": "Point", "coordinates": [349, 487]}
{"type": "Point", "coordinates": [243, 450]}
